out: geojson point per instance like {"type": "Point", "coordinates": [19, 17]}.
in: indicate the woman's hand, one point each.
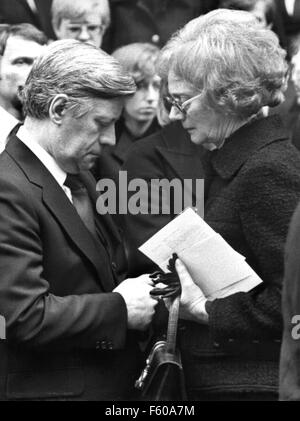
{"type": "Point", "coordinates": [192, 303]}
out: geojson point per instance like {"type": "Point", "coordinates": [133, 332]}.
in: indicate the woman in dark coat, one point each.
{"type": "Point", "coordinates": [221, 72]}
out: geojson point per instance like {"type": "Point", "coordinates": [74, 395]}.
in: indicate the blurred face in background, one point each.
{"type": "Point", "coordinates": [89, 29]}
{"type": "Point", "coordinates": [142, 106]}
{"type": "Point", "coordinates": [15, 65]}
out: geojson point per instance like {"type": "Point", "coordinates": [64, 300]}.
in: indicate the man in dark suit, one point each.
{"type": "Point", "coordinates": [36, 12]}
{"type": "Point", "coordinates": [70, 320]}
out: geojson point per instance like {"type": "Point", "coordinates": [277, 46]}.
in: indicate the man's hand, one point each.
{"type": "Point", "coordinates": [192, 303]}
{"type": "Point", "coordinates": [140, 305]}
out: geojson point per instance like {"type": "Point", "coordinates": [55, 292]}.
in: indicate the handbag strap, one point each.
{"type": "Point", "coordinates": [173, 325]}
{"type": "Point", "coordinates": [172, 291]}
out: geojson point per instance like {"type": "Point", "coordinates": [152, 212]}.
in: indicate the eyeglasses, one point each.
{"type": "Point", "coordinates": [170, 101]}
{"type": "Point", "coordinates": [90, 28]}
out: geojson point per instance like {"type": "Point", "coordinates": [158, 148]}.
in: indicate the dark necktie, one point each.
{"type": "Point", "coordinates": [82, 202]}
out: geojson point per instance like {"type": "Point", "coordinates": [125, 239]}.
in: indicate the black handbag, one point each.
{"type": "Point", "coordinates": [163, 379]}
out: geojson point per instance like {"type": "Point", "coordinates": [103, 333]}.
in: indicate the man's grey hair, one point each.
{"type": "Point", "coordinates": [76, 9]}
{"type": "Point", "coordinates": [80, 71]}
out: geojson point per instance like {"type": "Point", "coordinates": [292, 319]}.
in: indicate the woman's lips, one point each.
{"type": "Point", "coordinates": [147, 110]}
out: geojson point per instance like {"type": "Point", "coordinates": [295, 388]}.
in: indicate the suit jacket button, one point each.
{"type": "Point", "coordinates": [114, 266]}
{"type": "Point", "coordinates": [155, 38]}
{"type": "Point", "coordinates": [216, 345]}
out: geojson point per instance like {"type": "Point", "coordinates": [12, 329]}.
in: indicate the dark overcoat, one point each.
{"type": "Point", "coordinates": [18, 11]}
{"type": "Point", "coordinates": [66, 331]}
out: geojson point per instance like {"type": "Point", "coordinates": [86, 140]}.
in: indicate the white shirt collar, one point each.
{"type": "Point", "coordinates": [8, 122]}
{"type": "Point", "coordinates": [46, 159]}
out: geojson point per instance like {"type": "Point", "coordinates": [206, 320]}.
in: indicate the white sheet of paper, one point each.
{"type": "Point", "coordinates": [181, 233]}
{"type": "Point", "coordinates": [213, 264]}
{"type": "Point", "coordinates": [244, 285]}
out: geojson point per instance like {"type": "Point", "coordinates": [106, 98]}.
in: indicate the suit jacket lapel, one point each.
{"type": "Point", "coordinates": [60, 207]}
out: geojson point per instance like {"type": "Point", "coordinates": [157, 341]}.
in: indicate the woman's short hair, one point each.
{"type": "Point", "coordinates": [77, 9]}
{"type": "Point", "coordinates": [139, 59]}
{"type": "Point", "coordinates": [190, 32]}
{"type": "Point", "coordinates": [238, 65]}
{"type": "Point", "coordinates": [80, 71]}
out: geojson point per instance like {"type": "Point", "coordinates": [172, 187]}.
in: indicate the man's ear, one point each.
{"type": "Point", "coordinates": [58, 108]}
